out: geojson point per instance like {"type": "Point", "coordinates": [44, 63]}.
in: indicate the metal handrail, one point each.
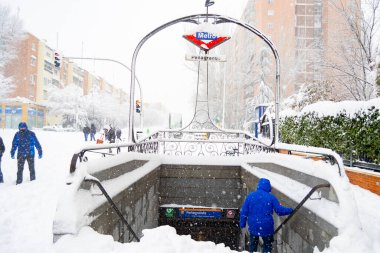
{"type": "Point", "coordinates": [330, 157]}
{"type": "Point", "coordinates": [363, 165]}
{"type": "Point", "coordinates": [300, 205]}
{"type": "Point", "coordinates": [96, 181]}
{"type": "Point", "coordinates": [81, 153]}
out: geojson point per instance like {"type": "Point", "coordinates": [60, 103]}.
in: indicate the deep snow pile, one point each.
{"type": "Point", "coordinates": [328, 108]}
{"type": "Point", "coordinates": [27, 211]}
{"type": "Point", "coordinates": [159, 240]}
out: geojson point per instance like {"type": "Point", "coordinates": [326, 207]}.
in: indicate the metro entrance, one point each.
{"type": "Point", "coordinates": [219, 225]}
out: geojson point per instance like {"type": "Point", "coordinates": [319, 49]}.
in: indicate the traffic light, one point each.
{"type": "Point", "coordinates": [138, 106]}
{"type": "Point", "coordinates": [57, 60]}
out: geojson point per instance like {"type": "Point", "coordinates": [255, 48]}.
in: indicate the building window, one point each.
{"type": "Point", "coordinates": [78, 81]}
{"type": "Point", "coordinates": [300, 10]}
{"type": "Point", "coordinates": [47, 81]}
{"type": "Point", "coordinates": [270, 12]}
{"type": "Point", "coordinates": [55, 82]}
{"type": "Point", "coordinates": [310, 10]}
{"type": "Point", "coordinates": [32, 80]}
{"type": "Point", "coordinates": [33, 60]}
{"type": "Point", "coordinates": [48, 67]}
{"type": "Point", "coordinates": [48, 54]}
{"type": "Point", "coordinates": [33, 47]}
{"type": "Point", "coordinates": [269, 25]}
{"type": "Point", "coordinates": [31, 93]}
{"type": "Point", "coordinates": [300, 20]}
{"type": "Point", "coordinates": [309, 32]}
{"type": "Point", "coordinates": [270, 1]}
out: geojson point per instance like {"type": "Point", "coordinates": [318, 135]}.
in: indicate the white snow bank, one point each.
{"type": "Point", "coordinates": [158, 240]}
{"type": "Point", "coordinates": [328, 108]}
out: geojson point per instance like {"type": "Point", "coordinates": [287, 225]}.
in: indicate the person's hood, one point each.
{"type": "Point", "coordinates": [264, 184]}
{"type": "Point", "coordinates": [22, 125]}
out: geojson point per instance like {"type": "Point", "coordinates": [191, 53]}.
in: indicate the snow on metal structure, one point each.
{"type": "Point", "coordinates": [200, 120]}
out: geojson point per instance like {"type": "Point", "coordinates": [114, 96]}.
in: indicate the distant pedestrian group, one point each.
{"type": "Point", "coordinates": [110, 134]}
{"type": "Point", "coordinates": [24, 142]}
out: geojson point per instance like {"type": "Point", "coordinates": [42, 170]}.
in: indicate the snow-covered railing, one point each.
{"type": "Point", "coordinates": [204, 143]}
{"type": "Point", "coordinates": [103, 149]}
{"type": "Point", "coordinates": [326, 154]}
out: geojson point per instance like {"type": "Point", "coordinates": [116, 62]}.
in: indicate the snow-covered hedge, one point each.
{"type": "Point", "coordinates": [356, 135]}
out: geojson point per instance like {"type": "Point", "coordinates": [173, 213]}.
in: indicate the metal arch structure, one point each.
{"type": "Point", "coordinates": [217, 19]}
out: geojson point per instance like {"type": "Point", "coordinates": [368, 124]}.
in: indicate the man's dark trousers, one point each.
{"type": "Point", "coordinates": [254, 242]}
{"type": "Point", "coordinates": [20, 168]}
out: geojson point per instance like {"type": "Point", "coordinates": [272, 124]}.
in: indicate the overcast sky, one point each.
{"type": "Point", "coordinates": [113, 28]}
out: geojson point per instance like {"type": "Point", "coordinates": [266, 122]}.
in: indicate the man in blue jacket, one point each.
{"type": "Point", "coordinates": [258, 209]}
{"type": "Point", "coordinates": [25, 141]}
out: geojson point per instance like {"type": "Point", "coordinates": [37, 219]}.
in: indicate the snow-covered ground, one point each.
{"type": "Point", "coordinates": [27, 211]}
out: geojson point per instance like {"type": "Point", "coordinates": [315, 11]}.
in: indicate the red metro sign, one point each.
{"type": "Point", "coordinates": [205, 40]}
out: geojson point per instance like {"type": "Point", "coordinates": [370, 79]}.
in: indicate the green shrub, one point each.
{"type": "Point", "coordinates": [357, 136]}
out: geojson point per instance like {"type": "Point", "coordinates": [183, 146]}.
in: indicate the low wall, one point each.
{"type": "Point", "coordinates": [205, 185]}
{"type": "Point", "coordinates": [138, 203]}
{"type": "Point", "coordinates": [365, 179]}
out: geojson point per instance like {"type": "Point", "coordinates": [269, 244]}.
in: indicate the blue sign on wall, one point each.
{"type": "Point", "coordinates": [199, 213]}
{"type": "Point", "coordinates": [13, 110]}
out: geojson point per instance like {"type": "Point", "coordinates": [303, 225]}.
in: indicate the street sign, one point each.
{"type": "Point", "coordinates": [214, 58]}
{"type": "Point", "coordinates": [200, 213]}
{"type": "Point", "coordinates": [206, 40]}
{"type": "Point", "coordinates": [169, 213]}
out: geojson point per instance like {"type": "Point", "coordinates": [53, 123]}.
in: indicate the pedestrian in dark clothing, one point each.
{"type": "Point", "coordinates": [111, 135]}
{"type": "Point", "coordinates": [86, 131]}
{"type": "Point", "coordinates": [118, 134]}
{"type": "Point", "coordinates": [2, 149]}
{"type": "Point", "coordinates": [25, 141]}
{"type": "Point", "coordinates": [92, 132]}
{"type": "Point", "coordinates": [258, 209]}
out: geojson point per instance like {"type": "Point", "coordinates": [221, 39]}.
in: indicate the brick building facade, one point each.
{"type": "Point", "coordinates": [34, 71]}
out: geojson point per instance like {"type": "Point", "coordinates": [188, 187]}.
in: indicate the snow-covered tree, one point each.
{"type": "Point", "coordinates": [356, 55]}
{"type": "Point", "coordinates": [11, 32]}
{"type": "Point", "coordinates": [78, 110]}
{"type": "Point", "coordinates": [309, 94]}
{"type": "Point", "coordinates": [69, 103]}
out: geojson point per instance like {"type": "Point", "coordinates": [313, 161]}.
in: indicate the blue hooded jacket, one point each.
{"type": "Point", "coordinates": [258, 209]}
{"type": "Point", "coordinates": [25, 141]}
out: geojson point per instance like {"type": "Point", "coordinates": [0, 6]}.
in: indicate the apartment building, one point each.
{"type": "Point", "coordinates": [33, 72]}
{"type": "Point", "coordinates": [303, 32]}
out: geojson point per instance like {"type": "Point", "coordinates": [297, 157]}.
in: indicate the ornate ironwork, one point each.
{"type": "Point", "coordinates": [150, 147]}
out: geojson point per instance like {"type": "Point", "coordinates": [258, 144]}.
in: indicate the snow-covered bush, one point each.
{"type": "Point", "coordinates": [356, 136]}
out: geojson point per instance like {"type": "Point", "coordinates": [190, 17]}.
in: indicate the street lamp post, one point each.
{"type": "Point", "coordinates": [122, 64]}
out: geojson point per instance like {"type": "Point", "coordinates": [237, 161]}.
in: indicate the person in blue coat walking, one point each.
{"type": "Point", "coordinates": [258, 209]}
{"type": "Point", "coordinates": [25, 141]}
{"type": "Point", "coordinates": [2, 149]}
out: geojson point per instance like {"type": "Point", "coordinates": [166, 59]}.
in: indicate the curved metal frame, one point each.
{"type": "Point", "coordinates": [218, 19]}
